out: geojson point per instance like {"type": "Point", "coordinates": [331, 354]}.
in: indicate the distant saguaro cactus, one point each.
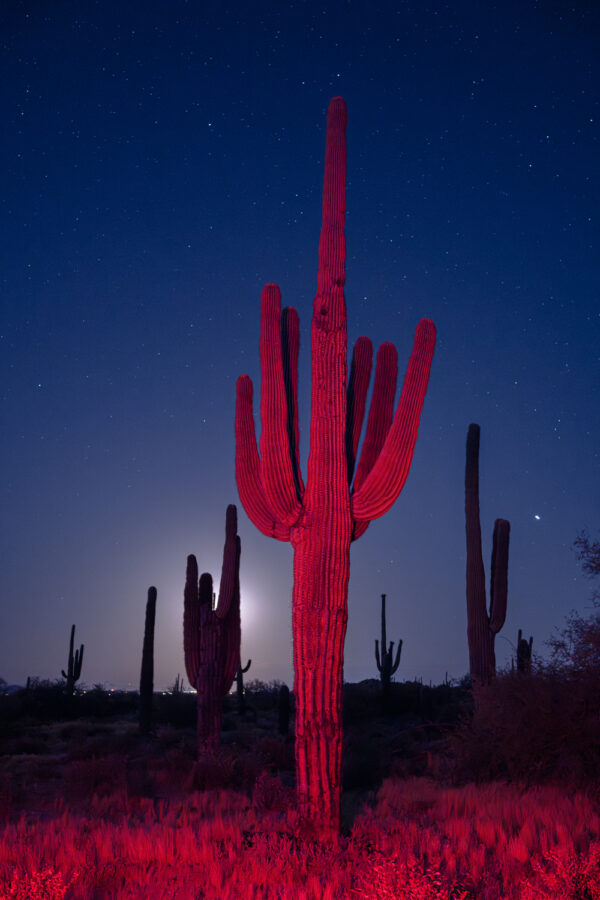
{"type": "Point", "coordinates": [524, 649]}
{"type": "Point", "coordinates": [239, 684]}
{"type": "Point", "coordinates": [338, 502]}
{"type": "Point", "coordinates": [147, 672]}
{"type": "Point", "coordinates": [211, 637]}
{"type": "Point", "coordinates": [386, 663]}
{"type": "Point", "coordinates": [481, 627]}
{"type": "Point", "coordinates": [74, 664]}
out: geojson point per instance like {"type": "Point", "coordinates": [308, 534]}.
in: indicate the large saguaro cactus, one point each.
{"type": "Point", "coordinates": [481, 627]}
{"type": "Point", "coordinates": [321, 518]}
{"type": "Point", "coordinates": [211, 637]}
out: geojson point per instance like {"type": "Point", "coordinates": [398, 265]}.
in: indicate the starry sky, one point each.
{"type": "Point", "coordinates": [160, 162]}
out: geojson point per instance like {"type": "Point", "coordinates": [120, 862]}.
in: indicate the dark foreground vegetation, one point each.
{"type": "Point", "coordinates": [443, 797]}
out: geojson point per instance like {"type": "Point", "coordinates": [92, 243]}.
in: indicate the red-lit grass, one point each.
{"type": "Point", "coordinates": [419, 841]}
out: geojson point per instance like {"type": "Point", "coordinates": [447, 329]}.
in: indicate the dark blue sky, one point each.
{"type": "Point", "coordinates": [160, 162]}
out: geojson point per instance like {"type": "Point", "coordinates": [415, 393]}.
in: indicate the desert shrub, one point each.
{"type": "Point", "coordinates": [100, 776]}
{"type": "Point", "coordinates": [538, 728]}
{"type": "Point", "coordinates": [178, 709]}
{"type": "Point", "coordinates": [406, 699]}
{"type": "Point", "coordinates": [276, 752]}
{"type": "Point", "coordinates": [222, 769]}
{"type": "Point", "coordinates": [263, 696]}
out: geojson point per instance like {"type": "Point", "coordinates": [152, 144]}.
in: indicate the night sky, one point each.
{"type": "Point", "coordinates": [160, 162]}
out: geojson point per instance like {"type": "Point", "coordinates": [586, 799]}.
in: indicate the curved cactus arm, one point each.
{"type": "Point", "coordinates": [230, 564]}
{"type": "Point", "coordinates": [231, 630]}
{"type": "Point", "coordinates": [290, 348]}
{"type": "Point", "coordinates": [358, 384]}
{"type": "Point", "coordinates": [396, 662]}
{"type": "Point", "coordinates": [191, 620]}
{"type": "Point", "coordinates": [387, 477]}
{"type": "Point", "coordinates": [277, 472]}
{"type": "Point", "coordinates": [377, 656]}
{"type": "Point", "coordinates": [77, 663]}
{"type": "Point", "coordinates": [247, 467]}
{"type": "Point", "coordinates": [246, 667]}
{"type": "Point", "coordinates": [381, 412]}
{"type": "Point", "coordinates": [499, 575]}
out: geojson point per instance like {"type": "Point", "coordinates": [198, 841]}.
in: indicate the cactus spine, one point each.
{"type": "Point", "coordinates": [239, 683]}
{"type": "Point", "coordinates": [386, 663]}
{"type": "Point", "coordinates": [481, 627]}
{"type": "Point", "coordinates": [147, 672]}
{"type": "Point", "coordinates": [211, 637]}
{"type": "Point", "coordinates": [74, 664]}
{"type": "Point", "coordinates": [334, 507]}
{"type": "Point", "coordinates": [524, 653]}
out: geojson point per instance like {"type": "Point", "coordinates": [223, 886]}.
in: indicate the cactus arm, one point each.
{"type": "Point", "coordinates": [77, 663]}
{"type": "Point", "coordinates": [499, 575]}
{"type": "Point", "coordinates": [381, 412]}
{"type": "Point", "coordinates": [228, 568]}
{"type": "Point", "coordinates": [231, 629]}
{"type": "Point", "coordinates": [377, 657]}
{"type": "Point", "coordinates": [247, 467]}
{"type": "Point", "coordinates": [396, 662]}
{"type": "Point", "coordinates": [387, 477]}
{"type": "Point", "coordinates": [246, 667]}
{"type": "Point", "coordinates": [358, 384]}
{"type": "Point", "coordinates": [191, 621]}
{"type": "Point", "coordinates": [277, 473]}
{"type": "Point", "coordinates": [290, 347]}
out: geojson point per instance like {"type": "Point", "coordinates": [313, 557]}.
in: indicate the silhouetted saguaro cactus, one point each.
{"type": "Point", "coordinates": [147, 671]}
{"type": "Point", "coordinates": [386, 663]}
{"type": "Point", "coordinates": [211, 637]}
{"type": "Point", "coordinates": [239, 684]}
{"type": "Point", "coordinates": [481, 627]}
{"type": "Point", "coordinates": [74, 664]}
{"type": "Point", "coordinates": [321, 518]}
{"type": "Point", "coordinates": [524, 649]}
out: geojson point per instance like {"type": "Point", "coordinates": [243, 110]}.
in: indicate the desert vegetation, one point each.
{"type": "Point", "coordinates": [442, 798]}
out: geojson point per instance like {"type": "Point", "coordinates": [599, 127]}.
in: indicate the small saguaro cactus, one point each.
{"type": "Point", "coordinates": [147, 673]}
{"type": "Point", "coordinates": [524, 653]}
{"type": "Point", "coordinates": [211, 636]}
{"type": "Point", "coordinates": [481, 627]}
{"type": "Point", "coordinates": [239, 684]}
{"type": "Point", "coordinates": [386, 663]}
{"type": "Point", "coordinates": [74, 664]}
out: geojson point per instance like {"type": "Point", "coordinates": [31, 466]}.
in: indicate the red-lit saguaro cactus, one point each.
{"type": "Point", "coordinates": [481, 627]}
{"type": "Point", "coordinates": [211, 637]}
{"type": "Point", "coordinates": [323, 517]}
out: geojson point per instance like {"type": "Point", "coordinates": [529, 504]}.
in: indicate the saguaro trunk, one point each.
{"type": "Point", "coordinates": [481, 627]}
{"type": "Point", "coordinates": [319, 619]}
{"type": "Point", "coordinates": [323, 518]}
